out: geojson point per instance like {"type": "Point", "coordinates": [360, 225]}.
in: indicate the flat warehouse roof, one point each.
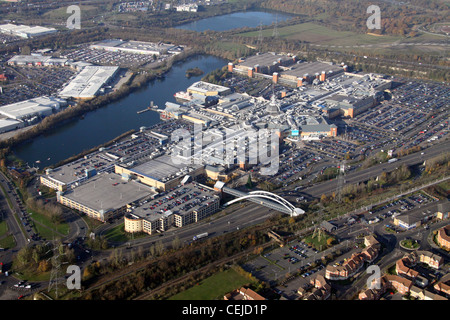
{"type": "Point", "coordinates": [311, 68]}
{"type": "Point", "coordinates": [264, 60]}
{"type": "Point", "coordinates": [134, 46]}
{"type": "Point", "coordinates": [5, 123]}
{"type": "Point", "coordinates": [88, 82]}
{"type": "Point", "coordinates": [28, 108]}
{"type": "Point", "coordinates": [204, 87]}
{"type": "Point", "coordinates": [108, 191]}
{"type": "Point", "coordinates": [36, 30]}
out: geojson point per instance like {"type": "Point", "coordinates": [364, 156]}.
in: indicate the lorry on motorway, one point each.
{"type": "Point", "coordinates": [200, 236]}
{"type": "Point", "coordinates": [392, 160]}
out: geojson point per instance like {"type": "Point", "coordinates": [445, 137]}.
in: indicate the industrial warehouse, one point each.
{"type": "Point", "coordinates": [137, 47]}
{"type": "Point", "coordinates": [38, 107]}
{"type": "Point", "coordinates": [36, 60]}
{"type": "Point", "coordinates": [24, 31]}
{"type": "Point", "coordinates": [161, 173]}
{"type": "Point", "coordinates": [89, 82]}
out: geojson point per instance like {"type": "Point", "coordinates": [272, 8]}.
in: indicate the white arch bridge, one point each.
{"type": "Point", "coordinates": [267, 199]}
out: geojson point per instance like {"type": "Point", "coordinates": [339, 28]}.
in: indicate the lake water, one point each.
{"type": "Point", "coordinates": [106, 123]}
{"type": "Point", "coordinates": [251, 19]}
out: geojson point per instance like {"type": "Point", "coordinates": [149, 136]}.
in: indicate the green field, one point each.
{"type": "Point", "coordinates": [3, 228]}
{"type": "Point", "coordinates": [118, 234]}
{"type": "Point", "coordinates": [45, 227]}
{"type": "Point", "coordinates": [352, 42]}
{"type": "Point", "coordinates": [318, 34]}
{"type": "Point", "coordinates": [7, 242]}
{"type": "Point", "coordinates": [214, 287]}
{"type": "Point", "coordinates": [61, 13]}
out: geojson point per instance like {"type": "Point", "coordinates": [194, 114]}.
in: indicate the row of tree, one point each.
{"type": "Point", "coordinates": [50, 210]}
{"type": "Point", "coordinates": [164, 265]}
{"type": "Point", "coordinates": [40, 258]}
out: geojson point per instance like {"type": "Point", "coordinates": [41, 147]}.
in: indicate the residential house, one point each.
{"type": "Point", "coordinates": [431, 259]}
{"type": "Point", "coordinates": [402, 285]}
{"type": "Point", "coordinates": [351, 266]}
{"type": "Point", "coordinates": [321, 289]}
{"type": "Point", "coordinates": [243, 294]}
{"type": "Point", "coordinates": [443, 237]}
{"type": "Point", "coordinates": [443, 285]}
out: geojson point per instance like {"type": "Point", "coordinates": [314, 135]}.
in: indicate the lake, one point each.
{"type": "Point", "coordinates": [251, 19]}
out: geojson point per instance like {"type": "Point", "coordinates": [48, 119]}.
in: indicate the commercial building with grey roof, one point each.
{"type": "Point", "coordinates": [162, 172]}
{"type": "Point", "coordinates": [105, 196]}
{"type": "Point", "coordinates": [137, 47]}
{"type": "Point", "coordinates": [266, 63]}
{"type": "Point", "coordinates": [88, 82]}
{"type": "Point", "coordinates": [37, 107]}
{"type": "Point", "coordinates": [24, 31]}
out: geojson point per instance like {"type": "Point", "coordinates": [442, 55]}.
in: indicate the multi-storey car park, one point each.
{"type": "Point", "coordinates": [105, 196]}
{"type": "Point", "coordinates": [185, 204]}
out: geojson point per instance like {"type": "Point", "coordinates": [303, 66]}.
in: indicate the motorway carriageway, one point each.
{"type": "Point", "coordinates": [372, 172]}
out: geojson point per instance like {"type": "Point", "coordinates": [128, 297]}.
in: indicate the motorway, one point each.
{"type": "Point", "coordinates": [365, 174]}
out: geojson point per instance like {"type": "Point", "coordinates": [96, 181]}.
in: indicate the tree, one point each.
{"type": "Point", "coordinates": [176, 243]}
{"type": "Point", "coordinates": [24, 255]}
{"type": "Point", "coordinates": [104, 244]}
{"type": "Point", "coordinates": [35, 255]}
{"type": "Point", "coordinates": [87, 273]}
{"type": "Point", "coordinates": [44, 266]}
{"type": "Point", "coordinates": [330, 241]}
{"type": "Point", "coordinates": [159, 247]}
{"type": "Point", "coordinates": [249, 182]}
{"type": "Point", "coordinates": [258, 250]}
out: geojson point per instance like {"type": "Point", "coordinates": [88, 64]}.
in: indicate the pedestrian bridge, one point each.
{"type": "Point", "coordinates": [265, 198]}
